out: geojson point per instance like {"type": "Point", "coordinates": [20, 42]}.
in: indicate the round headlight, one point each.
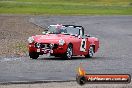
{"type": "Point", "coordinates": [30, 39]}
{"type": "Point", "coordinates": [51, 45]}
{"type": "Point", "coordinates": [61, 42]}
{"type": "Point", "coordinates": [38, 45]}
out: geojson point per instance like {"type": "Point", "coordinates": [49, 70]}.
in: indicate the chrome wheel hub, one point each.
{"type": "Point", "coordinates": [69, 52]}
{"type": "Point", "coordinates": [91, 52]}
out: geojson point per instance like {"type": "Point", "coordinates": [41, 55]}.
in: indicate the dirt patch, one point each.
{"type": "Point", "coordinates": [14, 32]}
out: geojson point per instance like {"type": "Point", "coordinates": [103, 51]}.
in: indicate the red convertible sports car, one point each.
{"type": "Point", "coordinates": [63, 41]}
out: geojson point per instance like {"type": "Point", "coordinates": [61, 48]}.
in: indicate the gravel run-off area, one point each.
{"type": "Point", "coordinates": [14, 32]}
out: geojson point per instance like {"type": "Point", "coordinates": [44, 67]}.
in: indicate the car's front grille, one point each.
{"type": "Point", "coordinates": [55, 46]}
{"type": "Point", "coordinates": [44, 45]}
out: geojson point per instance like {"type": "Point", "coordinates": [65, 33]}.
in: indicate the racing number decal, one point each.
{"type": "Point", "coordinates": [83, 45]}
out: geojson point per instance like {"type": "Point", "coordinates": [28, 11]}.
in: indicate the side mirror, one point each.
{"type": "Point", "coordinates": [87, 35]}
{"type": "Point", "coordinates": [43, 32]}
{"type": "Point", "coordinates": [76, 35]}
{"type": "Point", "coordinates": [79, 36]}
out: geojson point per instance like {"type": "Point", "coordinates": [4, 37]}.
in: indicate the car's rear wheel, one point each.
{"type": "Point", "coordinates": [69, 52]}
{"type": "Point", "coordinates": [90, 52]}
{"type": "Point", "coordinates": [33, 55]}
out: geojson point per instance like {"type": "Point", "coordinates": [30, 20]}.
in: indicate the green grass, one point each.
{"type": "Point", "coordinates": [66, 7]}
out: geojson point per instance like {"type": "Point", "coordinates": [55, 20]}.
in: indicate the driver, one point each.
{"type": "Point", "coordinates": [60, 29]}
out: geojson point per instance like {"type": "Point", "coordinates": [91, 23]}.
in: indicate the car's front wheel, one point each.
{"type": "Point", "coordinates": [69, 52]}
{"type": "Point", "coordinates": [90, 52]}
{"type": "Point", "coordinates": [33, 55]}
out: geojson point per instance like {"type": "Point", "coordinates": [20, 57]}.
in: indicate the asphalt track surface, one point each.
{"type": "Point", "coordinates": [113, 57]}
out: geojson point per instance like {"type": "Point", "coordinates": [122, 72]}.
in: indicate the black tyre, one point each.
{"type": "Point", "coordinates": [34, 55]}
{"type": "Point", "coordinates": [90, 52]}
{"type": "Point", "coordinates": [69, 52]}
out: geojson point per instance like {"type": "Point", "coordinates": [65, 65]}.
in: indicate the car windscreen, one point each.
{"type": "Point", "coordinates": [63, 30]}
{"type": "Point", "coordinates": [57, 30]}
{"type": "Point", "coordinates": [71, 30]}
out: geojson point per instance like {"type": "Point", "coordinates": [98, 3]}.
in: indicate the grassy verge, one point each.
{"type": "Point", "coordinates": [67, 7]}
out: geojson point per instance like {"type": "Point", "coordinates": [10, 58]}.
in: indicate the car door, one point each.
{"type": "Point", "coordinates": [79, 43]}
{"type": "Point", "coordinates": [84, 43]}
